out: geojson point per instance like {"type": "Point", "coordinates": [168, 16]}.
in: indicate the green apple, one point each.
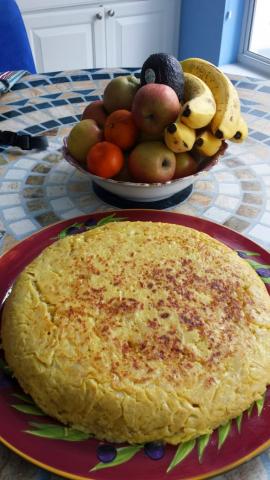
{"type": "Point", "coordinates": [81, 138]}
{"type": "Point", "coordinates": [151, 162]}
{"type": "Point", "coordinates": [119, 93]}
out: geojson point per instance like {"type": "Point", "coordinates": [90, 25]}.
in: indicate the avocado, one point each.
{"type": "Point", "coordinates": [166, 69]}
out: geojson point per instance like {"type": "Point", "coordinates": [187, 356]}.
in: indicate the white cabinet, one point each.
{"type": "Point", "coordinates": [111, 34]}
{"type": "Point", "coordinates": [67, 39]}
{"type": "Point", "coordinates": [134, 30]}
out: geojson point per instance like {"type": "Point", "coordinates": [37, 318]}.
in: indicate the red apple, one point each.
{"type": "Point", "coordinates": [95, 111]}
{"type": "Point", "coordinates": [154, 107]}
{"type": "Point", "coordinates": [185, 165]}
{"type": "Point", "coordinates": [151, 162]}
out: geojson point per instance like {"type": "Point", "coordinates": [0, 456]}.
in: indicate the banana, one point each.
{"type": "Point", "coordinates": [200, 105]}
{"type": "Point", "coordinates": [241, 132]}
{"type": "Point", "coordinates": [207, 144]}
{"type": "Point", "coordinates": [179, 137]}
{"type": "Point", "coordinates": [225, 121]}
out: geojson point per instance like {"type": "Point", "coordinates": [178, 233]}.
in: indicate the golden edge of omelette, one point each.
{"type": "Point", "coordinates": [139, 331]}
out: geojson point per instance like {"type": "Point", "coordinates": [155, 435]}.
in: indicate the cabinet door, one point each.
{"type": "Point", "coordinates": [134, 30]}
{"type": "Point", "coordinates": [67, 39]}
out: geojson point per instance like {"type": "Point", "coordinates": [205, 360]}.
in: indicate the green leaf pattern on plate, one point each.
{"type": "Point", "coordinates": [260, 404]}
{"type": "Point", "coordinates": [239, 422]}
{"type": "Point", "coordinates": [24, 398]}
{"type": "Point", "coordinates": [250, 254]}
{"type": "Point", "coordinates": [257, 265]}
{"type": "Point", "coordinates": [29, 409]}
{"type": "Point", "coordinates": [182, 452]}
{"type": "Point", "coordinates": [57, 432]}
{"type": "Point", "coordinates": [101, 222]}
{"type": "Point", "coordinates": [124, 454]}
{"type": "Point", "coordinates": [223, 432]}
{"type": "Point", "coordinates": [203, 441]}
{"type": "Point", "coordinates": [108, 219]}
{"type": "Point", "coordinates": [64, 232]}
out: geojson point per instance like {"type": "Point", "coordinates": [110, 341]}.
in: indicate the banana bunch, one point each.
{"type": "Point", "coordinates": [241, 132]}
{"type": "Point", "coordinates": [207, 144]}
{"type": "Point", "coordinates": [225, 121]}
{"type": "Point", "coordinates": [210, 114]}
{"type": "Point", "coordinates": [200, 105]}
{"type": "Point", "coordinates": [179, 137]}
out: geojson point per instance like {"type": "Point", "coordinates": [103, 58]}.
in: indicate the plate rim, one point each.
{"type": "Point", "coordinates": [72, 476]}
{"type": "Point", "coordinates": [120, 212]}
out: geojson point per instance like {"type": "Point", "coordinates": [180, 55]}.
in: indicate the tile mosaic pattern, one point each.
{"type": "Point", "coordinates": [39, 188]}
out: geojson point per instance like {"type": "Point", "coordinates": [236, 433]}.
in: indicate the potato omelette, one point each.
{"type": "Point", "coordinates": [139, 331]}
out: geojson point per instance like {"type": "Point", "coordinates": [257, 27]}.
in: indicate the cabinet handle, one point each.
{"type": "Point", "coordinates": [111, 13]}
{"type": "Point", "coordinates": [99, 16]}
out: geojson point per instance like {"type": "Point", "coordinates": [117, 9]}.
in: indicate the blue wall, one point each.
{"type": "Point", "coordinates": [231, 31]}
{"type": "Point", "coordinates": [207, 32]}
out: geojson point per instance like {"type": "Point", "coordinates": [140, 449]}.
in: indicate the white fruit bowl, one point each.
{"type": "Point", "coordinates": [145, 192]}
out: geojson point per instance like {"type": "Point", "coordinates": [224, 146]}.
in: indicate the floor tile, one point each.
{"type": "Point", "coordinates": [224, 177]}
{"type": "Point", "coordinates": [11, 199]}
{"type": "Point", "coordinates": [247, 211]}
{"type": "Point", "coordinates": [217, 214]}
{"type": "Point", "coordinates": [23, 227]}
{"type": "Point", "coordinates": [55, 190]}
{"type": "Point", "coordinates": [252, 198]}
{"type": "Point", "coordinates": [262, 169]}
{"type": "Point", "coordinates": [72, 213]}
{"type": "Point", "coordinates": [25, 163]}
{"type": "Point", "coordinates": [63, 203]}
{"type": "Point", "coordinates": [237, 224]}
{"type": "Point", "coordinates": [229, 188]}
{"type": "Point", "coordinates": [260, 232]}
{"type": "Point", "coordinates": [227, 202]}
{"type": "Point", "coordinates": [9, 187]}
{"type": "Point", "coordinates": [14, 213]}
{"type": "Point", "coordinates": [265, 218]}
{"type": "Point", "coordinates": [16, 174]}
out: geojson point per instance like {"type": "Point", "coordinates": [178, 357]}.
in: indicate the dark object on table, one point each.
{"type": "Point", "coordinates": [25, 142]}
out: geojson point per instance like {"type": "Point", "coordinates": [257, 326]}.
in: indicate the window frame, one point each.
{"type": "Point", "coordinates": [245, 56]}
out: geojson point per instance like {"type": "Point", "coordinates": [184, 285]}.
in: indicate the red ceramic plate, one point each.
{"type": "Point", "coordinates": [66, 452]}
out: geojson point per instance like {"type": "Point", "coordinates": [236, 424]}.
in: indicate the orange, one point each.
{"type": "Point", "coordinates": [120, 129]}
{"type": "Point", "coordinates": [105, 159]}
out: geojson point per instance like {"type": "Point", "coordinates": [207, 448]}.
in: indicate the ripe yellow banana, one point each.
{"type": "Point", "coordinates": [179, 137]}
{"type": "Point", "coordinates": [200, 105]}
{"type": "Point", "coordinates": [207, 144]}
{"type": "Point", "coordinates": [241, 132]}
{"type": "Point", "coordinates": [225, 121]}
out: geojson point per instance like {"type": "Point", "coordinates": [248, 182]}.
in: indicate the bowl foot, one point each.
{"type": "Point", "coordinates": [120, 202]}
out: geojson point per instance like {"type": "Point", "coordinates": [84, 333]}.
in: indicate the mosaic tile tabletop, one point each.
{"type": "Point", "coordinates": [40, 188]}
